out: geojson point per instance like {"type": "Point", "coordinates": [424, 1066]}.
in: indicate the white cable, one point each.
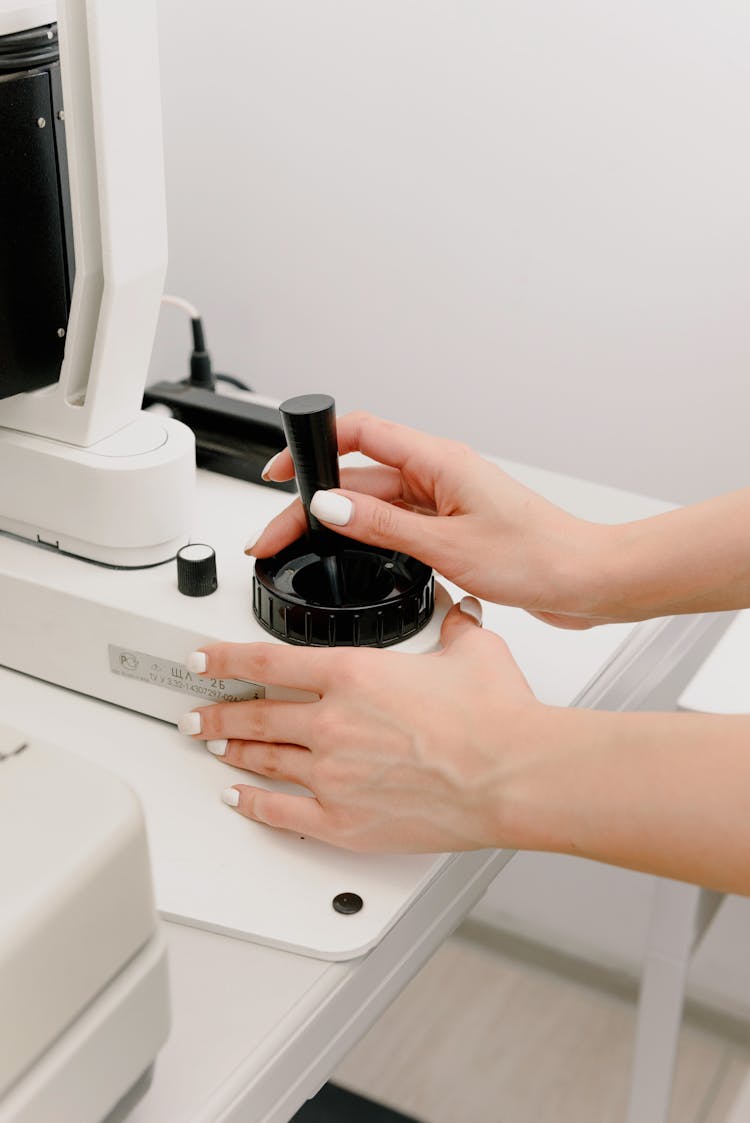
{"type": "Point", "coordinates": [180, 302]}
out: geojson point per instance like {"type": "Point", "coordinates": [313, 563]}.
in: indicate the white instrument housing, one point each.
{"type": "Point", "coordinates": [110, 76]}
{"type": "Point", "coordinates": [83, 980]}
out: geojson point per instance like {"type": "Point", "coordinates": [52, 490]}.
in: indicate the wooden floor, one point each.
{"type": "Point", "coordinates": [484, 1037]}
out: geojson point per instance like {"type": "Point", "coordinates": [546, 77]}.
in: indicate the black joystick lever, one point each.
{"type": "Point", "coordinates": [310, 429]}
{"type": "Point", "coordinates": [325, 589]}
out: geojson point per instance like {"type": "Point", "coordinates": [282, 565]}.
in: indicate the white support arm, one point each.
{"type": "Point", "coordinates": [110, 75]}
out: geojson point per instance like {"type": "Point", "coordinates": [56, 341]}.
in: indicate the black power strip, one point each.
{"type": "Point", "coordinates": [232, 436]}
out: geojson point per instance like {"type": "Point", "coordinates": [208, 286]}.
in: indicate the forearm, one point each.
{"type": "Point", "coordinates": [695, 559]}
{"type": "Point", "coordinates": [664, 793]}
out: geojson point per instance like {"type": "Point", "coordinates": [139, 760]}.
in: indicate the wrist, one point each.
{"type": "Point", "coordinates": [691, 559]}
{"type": "Point", "coordinates": [663, 793]}
{"type": "Point", "coordinates": [623, 573]}
{"type": "Point", "coordinates": [548, 788]}
{"type": "Point", "coordinates": [521, 801]}
{"type": "Point", "coordinates": [590, 578]}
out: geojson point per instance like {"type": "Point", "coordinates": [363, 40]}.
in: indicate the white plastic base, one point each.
{"type": "Point", "coordinates": [126, 501]}
{"type": "Point", "coordinates": [124, 636]}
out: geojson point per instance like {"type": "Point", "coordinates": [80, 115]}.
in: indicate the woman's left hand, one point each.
{"type": "Point", "coordinates": [399, 752]}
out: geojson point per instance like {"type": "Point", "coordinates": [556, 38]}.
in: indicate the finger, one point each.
{"type": "Point", "coordinates": [282, 530]}
{"type": "Point", "coordinates": [462, 634]}
{"type": "Point", "coordinates": [298, 813]}
{"type": "Point", "coordinates": [384, 483]}
{"type": "Point", "coordinates": [275, 664]}
{"type": "Point", "coordinates": [291, 524]}
{"type": "Point", "coordinates": [368, 519]}
{"type": "Point", "coordinates": [375, 479]}
{"type": "Point", "coordinates": [276, 762]}
{"type": "Point", "coordinates": [279, 468]}
{"type": "Point", "coordinates": [259, 720]}
{"type": "Point", "coordinates": [464, 619]}
{"type": "Point", "coordinates": [386, 441]}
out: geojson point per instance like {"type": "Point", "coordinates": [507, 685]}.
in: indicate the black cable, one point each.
{"type": "Point", "coordinates": [232, 381]}
{"type": "Point", "coordinates": [201, 373]}
{"type": "Point", "coordinates": [200, 360]}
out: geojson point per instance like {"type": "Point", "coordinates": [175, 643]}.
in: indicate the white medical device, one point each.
{"type": "Point", "coordinates": [83, 978]}
{"type": "Point", "coordinates": [82, 191]}
{"type": "Point", "coordinates": [94, 491]}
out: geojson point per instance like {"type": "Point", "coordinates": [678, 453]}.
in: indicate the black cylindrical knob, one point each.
{"type": "Point", "coordinates": [196, 570]}
{"type": "Point", "coordinates": [310, 428]}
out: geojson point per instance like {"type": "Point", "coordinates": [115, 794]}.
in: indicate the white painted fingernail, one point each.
{"type": "Point", "coordinates": [471, 607]}
{"type": "Point", "coordinates": [267, 467]}
{"type": "Point", "coordinates": [217, 747]}
{"type": "Point", "coordinates": [190, 723]}
{"type": "Point", "coordinates": [230, 796]}
{"type": "Point", "coordinates": [331, 508]}
{"type": "Point", "coordinates": [197, 661]}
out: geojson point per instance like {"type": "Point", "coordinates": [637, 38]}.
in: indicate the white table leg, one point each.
{"type": "Point", "coordinates": [681, 915]}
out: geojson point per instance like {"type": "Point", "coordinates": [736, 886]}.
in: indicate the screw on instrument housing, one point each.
{"type": "Point", "coordinates": [61, 333]}
{"type": "Point", "coordinates": [40, 121]}
{"type": "Point", "coordinates": [347, 903]}
{"type": "Point", "coordinates": [61, 114]}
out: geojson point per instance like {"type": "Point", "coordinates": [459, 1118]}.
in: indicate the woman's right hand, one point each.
{"type": "Point", "coordinates": [443, 503]}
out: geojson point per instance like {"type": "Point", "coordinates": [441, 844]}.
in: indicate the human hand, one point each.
{"type": "Point", "coordinates": [400, 752]}
{"type": "Point", "coordinates": [443, 503]}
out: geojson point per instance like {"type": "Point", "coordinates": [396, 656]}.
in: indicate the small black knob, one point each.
{"type": "Point", "coordinates": [196, 570]}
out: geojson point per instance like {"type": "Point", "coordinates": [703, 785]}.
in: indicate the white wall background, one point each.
{"type": "Point", "coordinates": [525, 224]}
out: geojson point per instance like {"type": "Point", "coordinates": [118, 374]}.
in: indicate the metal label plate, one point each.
{"type": "Point", "coordinates": [170, 675]}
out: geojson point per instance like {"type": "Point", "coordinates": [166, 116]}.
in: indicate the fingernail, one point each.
{"type": "Point", "coordinates": [217, 747]}
{"type": "Point", "coordinates": [190, 723]}
{"type": "Point", "coordinates": [331, 508]}
{"type": "Point", "coordinates": [267, 468]}
{"type": "Point", "coordinates": [197, 661]}
{"type": "Point", "coordinates": [230, 796]}
{"type": "Point", "coordinates": [257, 533]}
{"type": "Point", "coordinates": [471, 607]}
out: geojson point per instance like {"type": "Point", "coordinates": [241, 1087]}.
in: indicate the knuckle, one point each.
{"type": "Point", "coordinates": [262, 661]}
{"type": "Point", "coordinates": [331, 774]}
{"type": "Point", "coordinates": [258, 719]}
{"type": "Point", "coordinates": [267, 762]}
{"type": "Point", "coordinates": [383, 521]}
{"type": "Point", "coordinates": [324, 727]}
{"type": "Point", "coordinates": [458, 458]}
{"type": "Point", "coordinates": [254, 804]}
{"type": "Point", "coordinates": [350, 670]}
{"type": "Point", "coordinates": [358, 419]}
{"type": "Point", "coordinates": [364, 426]}
{"type": "Point", "coordinates": [457, 449]}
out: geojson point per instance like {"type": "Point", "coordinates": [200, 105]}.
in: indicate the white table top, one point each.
{"type": "Point", "coordinates": [257, 1030]}
{"type": "Point", "coordinates": [722, 684]}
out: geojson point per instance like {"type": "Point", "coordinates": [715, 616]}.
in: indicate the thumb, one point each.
{"type": "Point", "coordinates": [367, 519]}
{"type": "Point", "coordinates": [463, 620]}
